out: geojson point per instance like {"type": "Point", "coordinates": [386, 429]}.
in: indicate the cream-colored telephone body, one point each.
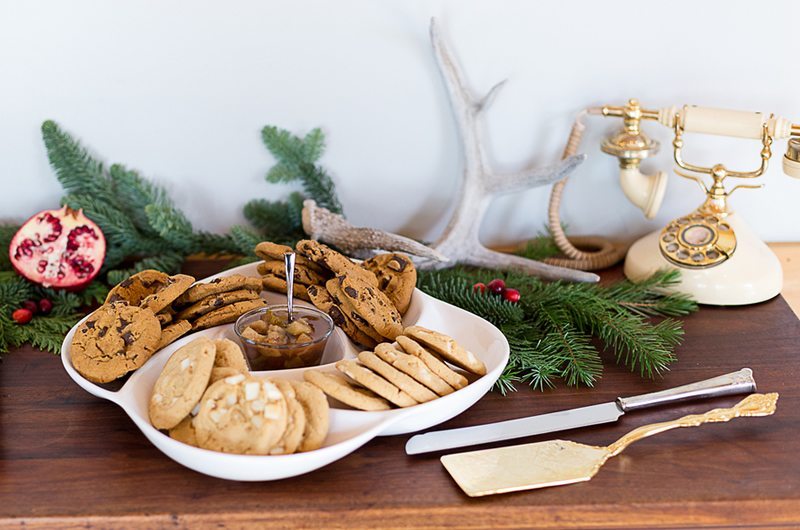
{"type": "Point", "coordinates": [722, 261]}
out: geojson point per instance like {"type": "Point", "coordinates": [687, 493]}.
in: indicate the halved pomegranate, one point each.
{"type": "Point", "coordinates": [62, 249]}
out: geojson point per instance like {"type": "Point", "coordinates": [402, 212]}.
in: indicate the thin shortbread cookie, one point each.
{"type": "Point", "coordinates": [369, 379]}
{"type": "Point", "coordinates": [338, 388]}
{"type": "Point", "coordinates": [452, 377]}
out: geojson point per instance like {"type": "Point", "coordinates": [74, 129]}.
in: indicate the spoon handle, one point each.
{"type": "Point", "coordinates": [752, 405]}
{"type": "Point", "coordinates": [288, 261]}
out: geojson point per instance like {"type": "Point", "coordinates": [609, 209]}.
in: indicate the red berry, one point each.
{"type": "Point", "coordinates": [511, 295]}
{"type": "Point", "coordinates": [31, 306]}
{"type": "Point", "coordinates": [496, 286]}
{"type": "Point", "coordinates": [22, 315]}
{"type": "Point", "coordinates": [45, 306]}
{"type": "Point", "coordinates": [479, 287]}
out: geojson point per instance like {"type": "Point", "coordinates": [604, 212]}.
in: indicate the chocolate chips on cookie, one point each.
{"type": "Point", "coordinates": [367, 302]}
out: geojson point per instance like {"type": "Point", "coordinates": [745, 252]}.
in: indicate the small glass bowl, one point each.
{"type": "Point", "coordinates": [268, 356]}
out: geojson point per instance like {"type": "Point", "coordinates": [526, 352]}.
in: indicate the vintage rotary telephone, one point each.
{"type": "Point", "coordinates": [722, 261]}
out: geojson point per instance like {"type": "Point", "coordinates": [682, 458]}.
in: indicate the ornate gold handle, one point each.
{"type": "Point", "coordinates": [752, 405]}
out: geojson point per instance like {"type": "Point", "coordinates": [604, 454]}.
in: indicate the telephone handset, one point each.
{"type": "Point", "coordinates": [721, 259]}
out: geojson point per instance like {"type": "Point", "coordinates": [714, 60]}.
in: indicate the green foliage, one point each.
{"type": "Point", "coordinates": [541, 247]}
{"type": "Point", "coordinates": [554, 329]}
{"type": "Point", "coordinates": [281, 221]}
{"type": "Point", "coordinates": [7, 232]}
{"type": "Point", "coordinates": [45, 332]}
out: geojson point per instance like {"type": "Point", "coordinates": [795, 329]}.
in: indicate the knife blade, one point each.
{"type": "Point", "coordinates": [734, 383]}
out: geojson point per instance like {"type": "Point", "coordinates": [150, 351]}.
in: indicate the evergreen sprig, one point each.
{"type": "Point", "coordinates": [554, 330]}
{"type": "Point", "coordinates": [45, 332]}
{"type": "Point", "coordinates": [138, 217]}
{"type": "Point", "coordinates": [281, 221]}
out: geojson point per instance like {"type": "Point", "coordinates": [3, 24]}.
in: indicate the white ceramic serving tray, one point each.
{"type": "Point", "coordinates": [349, 429]}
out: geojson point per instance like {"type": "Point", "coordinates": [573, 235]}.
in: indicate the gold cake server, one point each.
{"type": "Point", "coordinates": [560, 462]}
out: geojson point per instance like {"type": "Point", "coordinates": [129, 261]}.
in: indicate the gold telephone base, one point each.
{"type": "Point", "coordinates": [749, 275]}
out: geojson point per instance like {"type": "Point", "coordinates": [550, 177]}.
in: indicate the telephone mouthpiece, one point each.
{"type": "Point", "coordinates": [791, 160]}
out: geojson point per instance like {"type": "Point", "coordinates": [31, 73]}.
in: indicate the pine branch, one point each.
{"type": "Point", "coordinates": [245, 239]}
{"type": "Point", "coordinates": [458, 292]}
{"type": "Point", "coordinates": [296, 162]}
{"type": "Point", "coordinates": [134, 193]}
{"type": "Point", "coordinates": [7, 232]}
{"type": "Point", "coordinates": [551, 330]}
{"type": "Point", "coordinates": [76, 170]}
{"type": "Point", "coordinates": [47, 332]}
{"type": "Point", "coordinates": [14, 289]}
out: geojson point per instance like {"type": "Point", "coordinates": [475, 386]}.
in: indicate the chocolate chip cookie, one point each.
{"type": "Point", "coordinates": [234, 282]}
{"type": "Point", "coordinates": [369, 302]}
{"type": "Point", "coordinates": [333, 261]}
{"type": "Point", "coordinates": [114, 340]}
{"type": "Point", "coordinates": [397, 277]}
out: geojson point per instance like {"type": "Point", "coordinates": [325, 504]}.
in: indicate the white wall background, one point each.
{"type": "Point", "coordinates": [181, 89]}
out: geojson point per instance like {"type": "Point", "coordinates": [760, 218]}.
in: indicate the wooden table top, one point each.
{"type": "Point", "coordinates": [69, 459]}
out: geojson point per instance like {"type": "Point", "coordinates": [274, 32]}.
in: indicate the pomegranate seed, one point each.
{"type": "Point", "coordinates": [511, 295]}
{"type": "Point", "coordinates": [22, 315]}
{"type": "Point", "coordinates": [45, 306]}
{"type": "Point", "coordinates": [479, 287]}
{"type": "Point", "coordinates": [496, 286]}
{"type": "Point", "coordinates": [31, 306]}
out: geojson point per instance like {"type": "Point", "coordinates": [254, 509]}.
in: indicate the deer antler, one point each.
{"type": "Point", "coordinates": [460, 241]}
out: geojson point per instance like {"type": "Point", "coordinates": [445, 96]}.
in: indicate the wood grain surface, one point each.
{"type": "Point", "coordinates": [71, 460]}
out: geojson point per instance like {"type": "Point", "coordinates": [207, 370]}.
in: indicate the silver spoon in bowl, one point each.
{"type": "Point", "coordinates": [288, 261]}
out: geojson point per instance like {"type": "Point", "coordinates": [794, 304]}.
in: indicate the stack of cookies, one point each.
{"type": "Point", "coordinates": [205, 397]}
{"type": "Point", "coordinates": [367, 301]}
{"type": "Point", "coordinates": [135, 321]}
{"type": "Point", "coordinates": [220, 301]}
{"type": "Point", "coordinates": [414, 369]}
{"type": "Point", "coordinates": [150, 310]}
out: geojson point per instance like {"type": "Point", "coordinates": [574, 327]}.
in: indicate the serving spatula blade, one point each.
{"type": "Point", "coordinates": [560, 462]}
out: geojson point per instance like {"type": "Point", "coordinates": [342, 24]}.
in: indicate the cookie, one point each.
{"type": "Point", "coordinates": [355, 318]}
{"type": "Point", "coordinates": [184, 432]}
{"type": "Point", "coordinates": [230, 355]}
{"type": "Point", "coordinates": [273, 251]}
{"type": "Point", "coordinates": [269, 250]}
{"type": "Point", "coordinates": [234, 282]}
{"type": "Point", "coordinates": [215, 301]}
{"type": "Point", "coordinates": [399, 379]}
{"type": "Point", "coordinates": [397, 277]}
{"type": "Point", "coordinates": [322, 300]}
{"type": "Point", "coordinates": [137, 287]}
{"type": "Point", "coordinates": [164, 318]}
{"type": "Point", "coordinates": [221, 372]}
{"type": "Point", "coordinates": [333, 261]}
{"type": "Point", "coordinates": [447, 348]}
{"type": "Point", "coordinates": [414, 367]}
{"type": "Point", "coordinates": [302, 274]}
{"type": "Point", "coordinates": [340, 389]}
{"type": "Point", "coordinates": [369, 302]}
{"type": "Point", "coordinates": [278, 285]}
{"type": "Point", "coordinates": [435, 365]}
{"type": "Point", "coordinates": [242, 415]}
{"type": "Point", "coordinates": [369, 379]}
{"type": "Point", "coordinates": [295, 421]}
{"type": "Point", "coordinates": [173, 332]}
{"type": "Point", "coordinates": [227, 314]}
{"type": "Point", "coordinates": [114, 340]}
{"type": "Point", "coordinates": [315, 406]}
{"type": "Point", "coordinates": [162, 298]}
{"type": "Point", "coordinates": [181, 383]}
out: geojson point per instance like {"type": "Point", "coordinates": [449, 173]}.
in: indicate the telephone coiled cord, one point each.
{"type": "Point", "coordinates": [603, 252]}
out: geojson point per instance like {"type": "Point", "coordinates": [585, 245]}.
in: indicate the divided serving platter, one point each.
{"type": "Point", "coordinates": [349, 429]}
